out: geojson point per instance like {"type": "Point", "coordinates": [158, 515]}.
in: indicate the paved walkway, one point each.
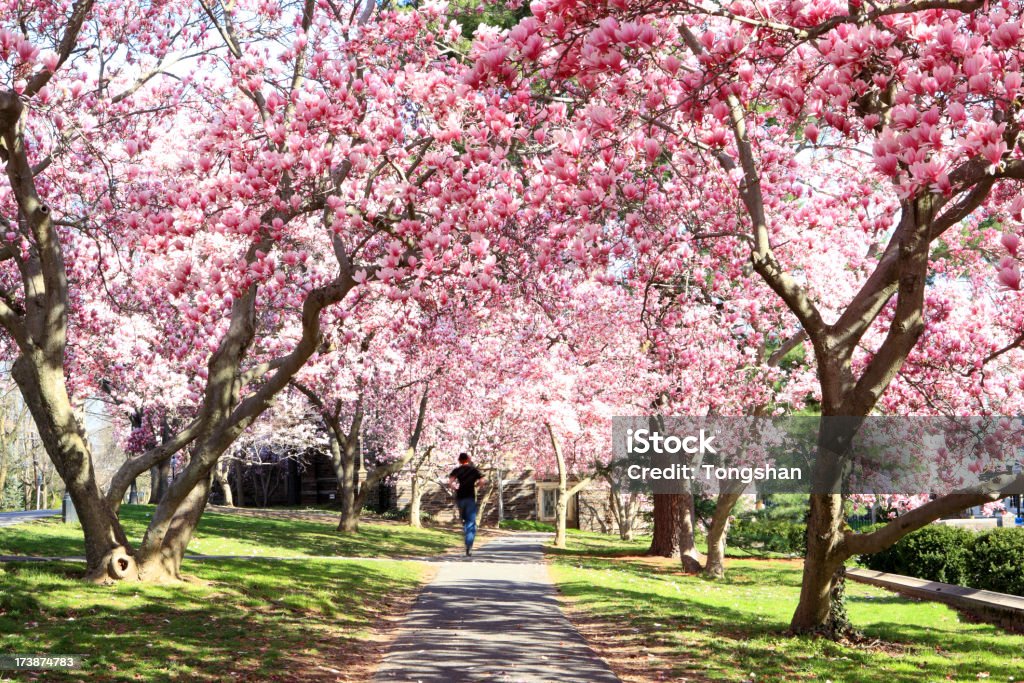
{"type": "Point", "coordinates": [492, 617]}
{"type": "Point", "coordinates": [12, 518]}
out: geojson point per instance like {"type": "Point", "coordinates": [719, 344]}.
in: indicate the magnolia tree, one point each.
{"type": "Point", "coordinates": [403, 360]}
{"type": "Point", "coordinates": [881, 137]}
{"type": "Point", "coordinates": [232, 170]}
{"type": "Point", "coordinates": [485, 414]}
{"type": "Point", "coordinates": [965, 365]}
{"type": "Point", "coordinates": [718, 341]}
{"type": "Point", "coordinates": [584, 371]}
{"type": "Point", "coordinates": [258, 459]}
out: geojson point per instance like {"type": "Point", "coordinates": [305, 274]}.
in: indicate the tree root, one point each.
{"type": "Point", "coordinates": [117, 565]}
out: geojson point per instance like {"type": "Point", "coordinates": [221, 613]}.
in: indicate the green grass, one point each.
{"type": "Point", "coordinates": [242, 620]}
{"type": "Point", "coordinates": [610, 545]}
{"type": "Point", "coordinates": [255, 620]}
{"type": "Point", "coordinates": [733, 629]}
{"type": "Point", "coordinates": [231, 534]}
{"type": "Point", "coordinates": [526, 525]}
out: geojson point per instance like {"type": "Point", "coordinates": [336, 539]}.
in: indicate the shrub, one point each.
{"type": "Point", "coordinates": [525, 525]}
{"type": "Point", "coordinates": [997, 561]}
{"type": "Point", "coordinates": [935, 553]}
{"type": "Point", "coordinates": [393, 514]}
{"type": "Point", "coordinates": [774, 535]}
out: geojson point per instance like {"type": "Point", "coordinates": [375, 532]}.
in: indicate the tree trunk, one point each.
{"type": "Point", "coordinates": [154, 485]}
{"type": "Point", "coordinates": [239, 483]}
{"type": "Point", "coordinates": [63, 437]}
{"type": "Point", "coordinates": [345, 452]}
{"type": "Point", "coordinates": [415, 501]}
{"type": "Point", "coordinates": [483, 502]}
{"type": "Point", "coordinates": [161, 472]}
{"type": "Point", "coordinates": [158, 476]}
{"type": "Point", "coordinates": [690, 558]}
{"type": "Point", "coordinates": [824, 535]}
{"type": "Point", "coordinates": [561, 515]}
{"type": "Point", "coordinates": [225, 486]}
{"type": "Point", "coordinates": [349, 520]}
{"type": "Point", "coordinates": [174, 522]}
{"type": "Point", "coordinates": [826, 549]}
{"type": "Point", "coordinates": [715, 566]}
{"type": "Point", "coordinates": [562, 505]}
{"type": "Point", "coordinates": [625, 520]}
{"type": "Point", "coordinates": [665, 540]}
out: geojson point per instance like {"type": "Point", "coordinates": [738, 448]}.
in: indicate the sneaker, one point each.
{"type": "Point", "coordinates": [469, 552]}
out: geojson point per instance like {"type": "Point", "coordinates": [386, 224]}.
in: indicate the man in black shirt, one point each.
{"type": "Point", "coordinates": [464, 479]}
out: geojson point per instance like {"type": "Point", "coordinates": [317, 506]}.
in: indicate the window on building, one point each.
{"type": "Point", "coordinates": [548, 502]}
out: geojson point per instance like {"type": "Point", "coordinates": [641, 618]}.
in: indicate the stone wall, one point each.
{"type": "Point", "coordinates": [310, 480]}
{"type": "Point", "coordinates": [519, 496]}
{"type": "Point", "coordinates": [520, 491]}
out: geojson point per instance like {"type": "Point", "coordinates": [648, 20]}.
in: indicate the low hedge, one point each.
{"type": "Point", "coordinates": [774, 535]}
{"type": "Point", "coordinates": [997, 561]}
{"type": "Point", "coordinates": [525, 525]}
{"type": "Point", "coordinates": [992, 560]}
{"type": "Point", "coordinates": [934, 553]}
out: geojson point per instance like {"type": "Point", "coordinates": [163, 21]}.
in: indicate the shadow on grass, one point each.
{"type": "Point", "coordinates": [231, 534]}
{"type": "Point", "coordinates": [282, 621]}
{"type": "Point", "coordinates": [731, 628]}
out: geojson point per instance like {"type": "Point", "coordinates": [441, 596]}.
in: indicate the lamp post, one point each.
{"type": "Point", "coordinates": [1019, 497]}
{"type": "Point", "coordinates": [501, 493]}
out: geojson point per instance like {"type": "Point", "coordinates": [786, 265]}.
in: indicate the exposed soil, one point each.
{"type": "Point", "coordinates": [355, 661]}
{"type": "Point", "coordinates": [635, 657]}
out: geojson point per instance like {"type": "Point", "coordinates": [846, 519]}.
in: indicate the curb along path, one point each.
{"type": "Point", "coordinates": [492, 617]}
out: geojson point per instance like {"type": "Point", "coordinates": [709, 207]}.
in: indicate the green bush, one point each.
{"type": "Point", "coordinates": [774, 535]}
{"type": "Point", "coordinates": [393, 514]}
{"type": "Point", "coordinates": [935, 553]}
{"type": "Point", "coordinates": [525, 525]}
{"type": "Point", "coordinates": [997, 561]}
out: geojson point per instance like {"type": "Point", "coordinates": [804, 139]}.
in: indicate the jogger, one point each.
{"type": "Point", "coordinates": [467, 511]}
{"type": "Point", "coordinates": [465, 479]}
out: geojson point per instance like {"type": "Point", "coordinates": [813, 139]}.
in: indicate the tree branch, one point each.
{"type": "Point", "coordinates": [995, 489]}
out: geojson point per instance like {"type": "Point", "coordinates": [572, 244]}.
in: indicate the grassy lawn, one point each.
{"type": "Point", "coordinates": [290, 620]}
{"type": "Point", "coordinates": [609, 545]}
{"type": "Point", "coordinates": [253, 620]}
{"type": "Point", "coordinates": [655, 624]}
{"type": "Point", "coordinates": [237, 534]}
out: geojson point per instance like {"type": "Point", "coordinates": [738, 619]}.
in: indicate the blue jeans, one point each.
{"type": "Point", "coordinates": [467, 509]}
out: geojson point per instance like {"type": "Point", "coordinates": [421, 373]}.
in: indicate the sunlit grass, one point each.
{"type": "Point", "coordinates": [734, 629]}
{"type": "Point", "coordinates": [230, 534]}
{"type": "Point", "coordinates": [610, 545]}
{"type": "Point", "coordinates": [242, 620]}
{"type": "Point", "coordinates": [253, 620]}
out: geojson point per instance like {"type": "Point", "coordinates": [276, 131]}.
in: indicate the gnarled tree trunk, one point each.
{"type": "Point", "coordinates": [162, 551]}
{"type": "Point", "coordinates": [43, 389]}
